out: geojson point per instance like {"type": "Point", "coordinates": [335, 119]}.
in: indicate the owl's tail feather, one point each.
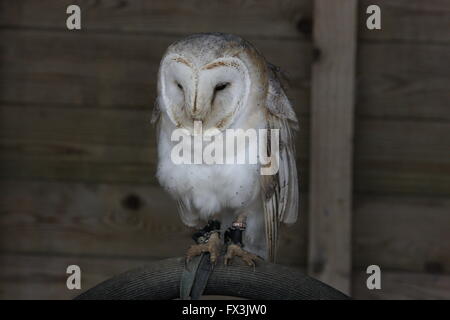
{"type": "Point", "coordinates": [271, 224]}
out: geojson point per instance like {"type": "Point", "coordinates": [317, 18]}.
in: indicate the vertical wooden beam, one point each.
{"type": "Point", "coordinates": [333, 77]}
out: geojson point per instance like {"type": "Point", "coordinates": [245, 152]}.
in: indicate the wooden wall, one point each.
{"type": "Point", "coordinates": [77, 151]}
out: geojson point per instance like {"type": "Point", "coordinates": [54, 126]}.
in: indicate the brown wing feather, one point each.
{"type": "Point", "coordinates": [280, 191]}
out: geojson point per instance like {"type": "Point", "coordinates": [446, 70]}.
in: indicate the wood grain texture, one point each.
{"type": "Point", "coordinates": [408, 20]}
{"type": "Point", "coordinates": [332, 105]}
{"type": "Point", "coordinates": [402, 20]}
{"type": "Point", "coordinates": [401, 157]}
{"type": "Point", "coordinates": [118, 145]}
{"type": "Point", "coordinates": [141, 222]}
{"type": "Point", "coordinates": [398, 80]}
{"type": "Point", "coordinates": [77, 152]}
{"type": "Point", "coordinates": [90, 219]}
{"type": "Point", "coordinates": [404, 286]}
{"type": "Point", "coordinates": [92, 145]}
{"type": "Point", "coordinates": [244, 17]}
{"type": "Point", "coordinates": [401, 233]}
{"type": "Point", "coordinates": [44, 277]}
{"type": "Point", "coordinates": [113, 70]}
{"type": "Point", "coordinates": [107, 220]}
{"type": "Point", "coordinates": [394, 80]}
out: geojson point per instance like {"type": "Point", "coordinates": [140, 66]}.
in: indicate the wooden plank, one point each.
{"type": "Point", "coordinates": [403, 81]}
{"type": "Point", "coordinates": [44, 276]}
{"type": "Point", "coordinates": [249, 18]}
{"type": "Point", "coordinates": [116, 127]}
{"type": "Point", "coordinates": [104, 70]}
{"type": "Point", "coordinates": [395, 80]}
{"type": "Point", "coordinates": [401, 157]}
{"type": "Point", "coordinates": [408, 20]}
{"type": "Point", "coordinates": [329, 257]}
{"type": "Point", "coordinates": [401, 233]}
{"type": "Point", "coordinates": [404, 286]}
{"type": "Point", "coordinates": [402, 20]}
{"type": "Point", "coordinates": [90, 219]}
{"type": "Point", "coordinates": [82, 144]}
{"type": "Point", "coordinates": [120, 221]}
{"type": "Point", "coordinates": [101, 127]}
{"type": "Point", "coordinates": [119, 145]}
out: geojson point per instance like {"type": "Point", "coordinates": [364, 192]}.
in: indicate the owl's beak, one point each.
{"type": "Point", "coordinates": [195, 116]}
{"type": "Point", "coordinates": [194, 111]}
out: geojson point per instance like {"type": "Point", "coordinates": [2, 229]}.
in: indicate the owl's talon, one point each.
{"type": "Point", "coordinates": [212, 247]}
{"type": "Point", "coordinates": [235, 250]}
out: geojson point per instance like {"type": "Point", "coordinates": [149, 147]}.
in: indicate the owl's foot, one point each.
{"type": "Point", "coordinates": [208, 240]}
{"type": "Point", "coordinates": [235, 250]}
{"type": "Point", "coordinates": [233, 237]}
{"type": "Point", "coordinates": [213, 246]}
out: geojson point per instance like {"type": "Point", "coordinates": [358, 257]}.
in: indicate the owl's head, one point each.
{"type": "Point", "coordinates": [210, 78]}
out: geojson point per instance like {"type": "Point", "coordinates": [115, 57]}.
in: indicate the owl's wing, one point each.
{"type": "Point", "coordinates": [156, 113]}
{"type": "Point", "coordinates": [280, 191]}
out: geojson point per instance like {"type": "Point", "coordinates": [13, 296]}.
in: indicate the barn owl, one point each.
{"type": "Point", "coordinates": [222, 82]}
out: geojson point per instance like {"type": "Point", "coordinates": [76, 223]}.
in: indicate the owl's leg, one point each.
{"type": "Point", "coordinates": [208, 240]}
{"type": "Point", "coordinates": [233, 237]}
